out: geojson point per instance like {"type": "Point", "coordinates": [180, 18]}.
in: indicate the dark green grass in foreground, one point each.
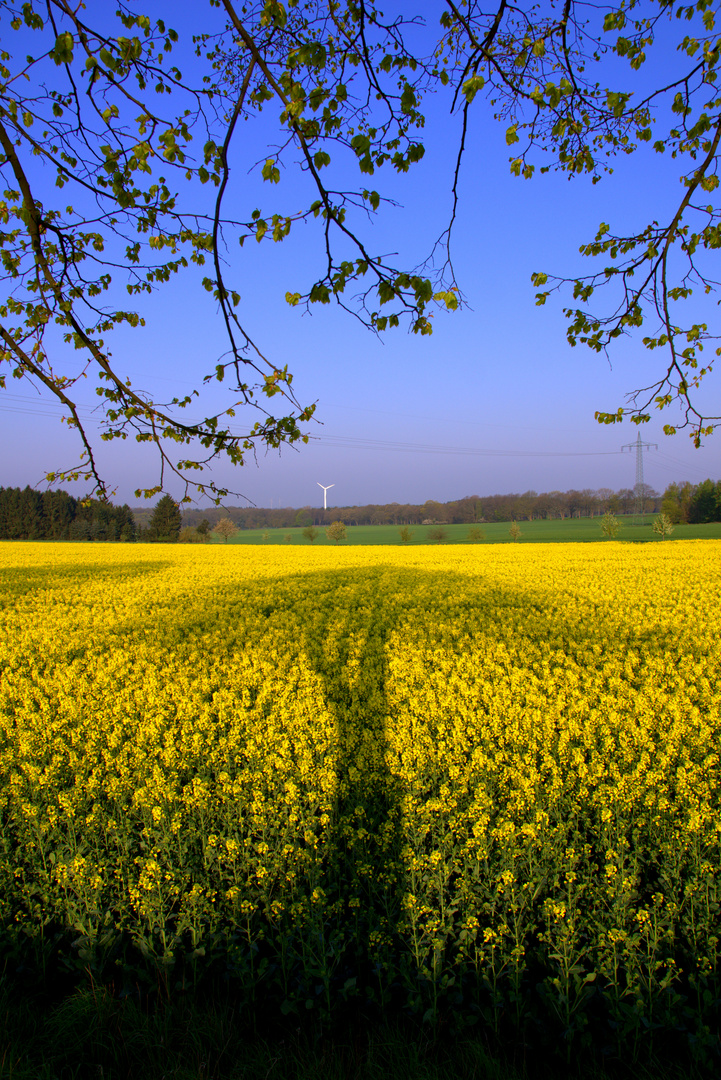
{"type": "Point", "coordinates": [92, 1035]}
{"type": "Point", "coordinates": [572, 530]}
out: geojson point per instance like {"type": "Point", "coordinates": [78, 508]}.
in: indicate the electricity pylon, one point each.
{"type": "Point", "coordinates": [639, 446]}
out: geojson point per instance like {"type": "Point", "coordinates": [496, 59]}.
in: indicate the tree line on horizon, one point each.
{"type": "Point", "coordinates": [681, 502]}
{"type": "Point", "coordinates": [26, 514]}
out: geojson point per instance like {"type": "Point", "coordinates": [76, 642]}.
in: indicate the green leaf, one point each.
{"type": "Point", "coordinates": [361, 144]}
{"type": "Point", "coordinates": [271, 171]}
{"type": "Point", "coordinates": [408, 99]}
{"type": "Point", "coordinates": [62, 51]}
{"type": "Point", "coordinates": [471, 87]}
{"type": "Point", "coordinates": [448, 298]}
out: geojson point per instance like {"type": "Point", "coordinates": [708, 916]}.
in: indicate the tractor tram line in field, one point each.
{"type": "Point", "coordinates": [475, 785]}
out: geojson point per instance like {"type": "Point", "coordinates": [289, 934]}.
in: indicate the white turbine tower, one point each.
{"type": "Point", "coordinates": [326, 489]}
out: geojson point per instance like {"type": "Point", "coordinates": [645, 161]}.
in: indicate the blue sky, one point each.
{"type": "Point", "coordinates": [497, 383]}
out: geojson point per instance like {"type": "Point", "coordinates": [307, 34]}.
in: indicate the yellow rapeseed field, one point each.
{"type": "Point", "coordinates": [482, 781]}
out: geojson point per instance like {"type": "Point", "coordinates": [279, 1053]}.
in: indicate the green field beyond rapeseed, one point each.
{"type": "Point", "coordinates": [478, 786]}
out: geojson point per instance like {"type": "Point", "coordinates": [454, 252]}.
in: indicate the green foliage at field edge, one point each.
{"type": "Point", "coordinates": [571, 530]}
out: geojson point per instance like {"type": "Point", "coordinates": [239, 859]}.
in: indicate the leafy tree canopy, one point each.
{"type": "Point", "coordinates": [138, 150]}
{"type": "Point", "coordinates": [336, 531]}
{"type": "Point", "coordinates": [663, 526]}
{"type": "Point", "coordinates": [610, 525]}
{"type": "Point", "coordinates": [225, 529]}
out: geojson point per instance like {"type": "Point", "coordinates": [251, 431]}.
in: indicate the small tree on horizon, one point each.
{"type": "Point", "coordinates": [663, 526]}
{"type": "Point", "coordinates": [310, 533]}
{"type": "Point", "coordinates": [515, 531]}
{"type": "Point", "coordinates": [438, 534]}
{"type": "Point", "coordinates": [225, 528]}
{"type": "Point", "coordinates": [189, 535]}
{"type": "Point", "coordinates": [475, 535]}
{"type": "Point", "coordinates": [336, 531]}
{"type": "Point", "coordinates": [610, 525]}
{"type": "Point", "coordinates": [405, 534]}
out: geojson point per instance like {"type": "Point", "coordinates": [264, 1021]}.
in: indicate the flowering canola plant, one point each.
{"type": "Point", "coordinates": [475, 782]}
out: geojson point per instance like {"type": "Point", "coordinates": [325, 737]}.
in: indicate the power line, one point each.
{"type": "Point", "coordinates": [31, 406]}
{"type": "Point", "coordinates": [678, 464]}
{"type": "Point", "coordinates": [50, 408]}
{"type": "Point", "coordinates": [361, 443]}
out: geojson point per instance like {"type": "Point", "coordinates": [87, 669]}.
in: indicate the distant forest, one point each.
{"type": "Point", "coordinates": [682, 502]}
{"type": "Point", "coordinates": [26, 514]}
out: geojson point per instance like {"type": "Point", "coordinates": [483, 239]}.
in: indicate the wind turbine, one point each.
{"type": "Point", "coordinates": [326, 489]}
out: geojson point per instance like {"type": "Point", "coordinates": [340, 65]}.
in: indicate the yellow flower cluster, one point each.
{"type": "Point", "coordinates": [465, 772]}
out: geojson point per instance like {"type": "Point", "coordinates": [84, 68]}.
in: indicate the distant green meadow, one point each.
{"type": "Point", "coordinates": [571, 530]}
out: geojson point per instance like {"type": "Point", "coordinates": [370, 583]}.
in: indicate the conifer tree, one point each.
{"type": "Point", "coordinates": [165, 523]}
